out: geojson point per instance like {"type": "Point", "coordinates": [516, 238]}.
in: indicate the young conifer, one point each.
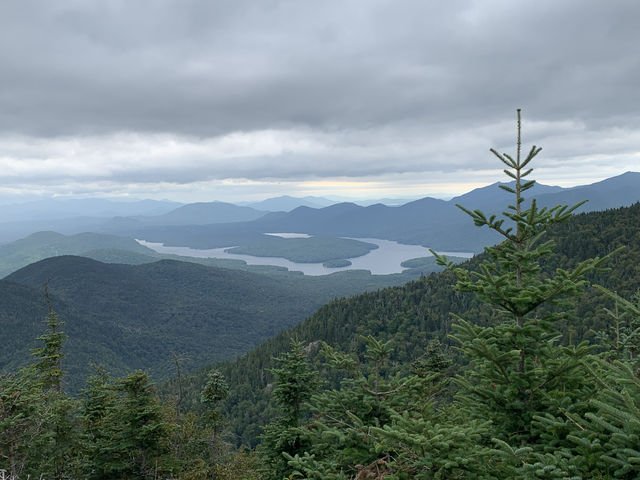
{"type": "Point", "coordinates": [55, 451]}
{"type": "Point", "coordinates": [295, 383]}
{"type": "Point", "coordinates": [49, 356]}
{"type": "Point", "coordinates": [518, 368]}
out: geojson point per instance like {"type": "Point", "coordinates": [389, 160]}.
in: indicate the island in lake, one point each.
{"type": "Point", "coordinates": [337, 263]}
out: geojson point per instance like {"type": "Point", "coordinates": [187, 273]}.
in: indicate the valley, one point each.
{"type": "Point", "coordinates": [180, 313]}
{"type": "Point", "coordinates": [115, 276]}
{"type": "Point", "coordinates": [285, 240]}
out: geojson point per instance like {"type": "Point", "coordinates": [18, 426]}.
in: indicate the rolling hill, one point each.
{"type": "Point", "coordinates": [135, 316]}
{"type": "Point", "coordinates": [203, 213]}
{"type": "Point", "coordinates": [41, 245]}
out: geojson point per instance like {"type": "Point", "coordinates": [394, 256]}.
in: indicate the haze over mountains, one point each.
{"type": "Point", "coordinates": [124, 311]}
{"type": "Point", "coordinates": [430, 222]}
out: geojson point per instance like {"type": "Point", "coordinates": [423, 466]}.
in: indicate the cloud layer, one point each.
{"type": "Point", "coordinates": [130, 94]}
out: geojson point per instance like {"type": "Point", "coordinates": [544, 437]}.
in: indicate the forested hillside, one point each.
{"type": "Point", "coordinates": [41, 245]}
{"type": "Point", "coordinates": [414, 314]}
{"type": "Point", "coordinates": [370, 387]}
{"type": "Point", "coordinates": [137, 316]}
{"type": "Point", "coordinates": [542, 384]}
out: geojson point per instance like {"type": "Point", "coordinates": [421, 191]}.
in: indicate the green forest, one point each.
{"type": "Point", "coordinates": [521, 363]}
{"type": "Point", "coordinates": [306, 250]}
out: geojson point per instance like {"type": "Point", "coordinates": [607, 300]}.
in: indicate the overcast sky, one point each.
{"type": "Point", "coordinates": [241, 100]}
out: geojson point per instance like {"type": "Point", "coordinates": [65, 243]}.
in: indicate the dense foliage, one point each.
{"type": "Point", "coordinates": [117, 429]}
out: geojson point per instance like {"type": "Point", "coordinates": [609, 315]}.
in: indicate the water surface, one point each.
{"type": "Point", "coordinates": [384, 260]}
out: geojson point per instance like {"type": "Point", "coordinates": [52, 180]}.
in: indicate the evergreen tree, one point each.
{"type": "Point", "coordinates": [99, 400]}
{"type": "Point", "coordinates": [199, 446]}
{"type": "Point", "coordinates": [621, 340]}
{"type": "Point", "coordinates": [49, 356]}
{"type": "Point", "coordinates": [608, 436]}
{"type": "Point", "coordinates": [380, 424]}
{"type": "Point", "coordinates": [518, 370]}
{"type": "Point", "coordinates": [21, 422]}
{"type": "Point", "coordinates": [125, 427]}
{"type": "Point", "coordinates": [57, 450]}
{"type": "Point", "coordinates": [215, 391]}
{"type": "Point", "coordinates": [295, 383]}
{"type": "Point", "coordinates": [605, 438]}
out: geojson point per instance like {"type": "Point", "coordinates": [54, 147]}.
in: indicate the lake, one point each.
{"type": "Point", "coordinates": [384, 260]}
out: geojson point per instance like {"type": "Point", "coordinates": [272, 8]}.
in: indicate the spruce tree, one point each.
{"type": "Point", "coordinates": [56, 452]}
{"type": "Point", "coordinates": [49, 356]}
{"type": "Point", "coordinates": [605, 438]}
{"type": "Point", "coordinates": [518, 369]}
{"type": "Point", "coordinates": [126, 432]}
{"type": "Point", "coordinates": [295, 383]}
{"type": "Point", "coordinates": [198, 443]}
{"type": "Point", "coordinates": [21, 422]}
{"type": "Point", "coordinates": [385, 424]}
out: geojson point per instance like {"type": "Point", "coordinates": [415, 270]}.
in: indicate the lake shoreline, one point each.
{"type": "Point", "coordinates": [384, 260]}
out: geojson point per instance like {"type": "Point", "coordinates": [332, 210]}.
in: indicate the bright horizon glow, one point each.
{"type": "Point", "coordinates": [349, 191]}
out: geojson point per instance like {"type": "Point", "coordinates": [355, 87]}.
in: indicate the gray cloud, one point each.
{"type": "Point", "coordinates": [350, 88]}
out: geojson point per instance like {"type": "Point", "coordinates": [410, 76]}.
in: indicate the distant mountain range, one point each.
{"type": "Point", "coordinates": [286, 203]}
{"type": "Point", "coordinates": [59, 208]}
{"type": "Point", "coordinates": [429, 222]}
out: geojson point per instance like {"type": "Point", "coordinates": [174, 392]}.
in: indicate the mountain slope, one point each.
{"type": "Point", "coordinates": [138, 315]}
{"type": "Point", "coordinates": [286, 203]}
{"type": "Point", "coordinates": [203, 213]}
{"type": "Point", "coordinates": [620, 191]}
{"type": "Point", "coordinates": [493, 197]}
{"type": "Point", "coordinates": [43, 245]}
{"type": "Point", "coordinates": [22, 319]}
{"type": "Point", "coordinates": [412, 314]}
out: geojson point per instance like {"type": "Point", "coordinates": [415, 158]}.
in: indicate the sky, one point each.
{"type": "Point", "coordinates": [232, 100]}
